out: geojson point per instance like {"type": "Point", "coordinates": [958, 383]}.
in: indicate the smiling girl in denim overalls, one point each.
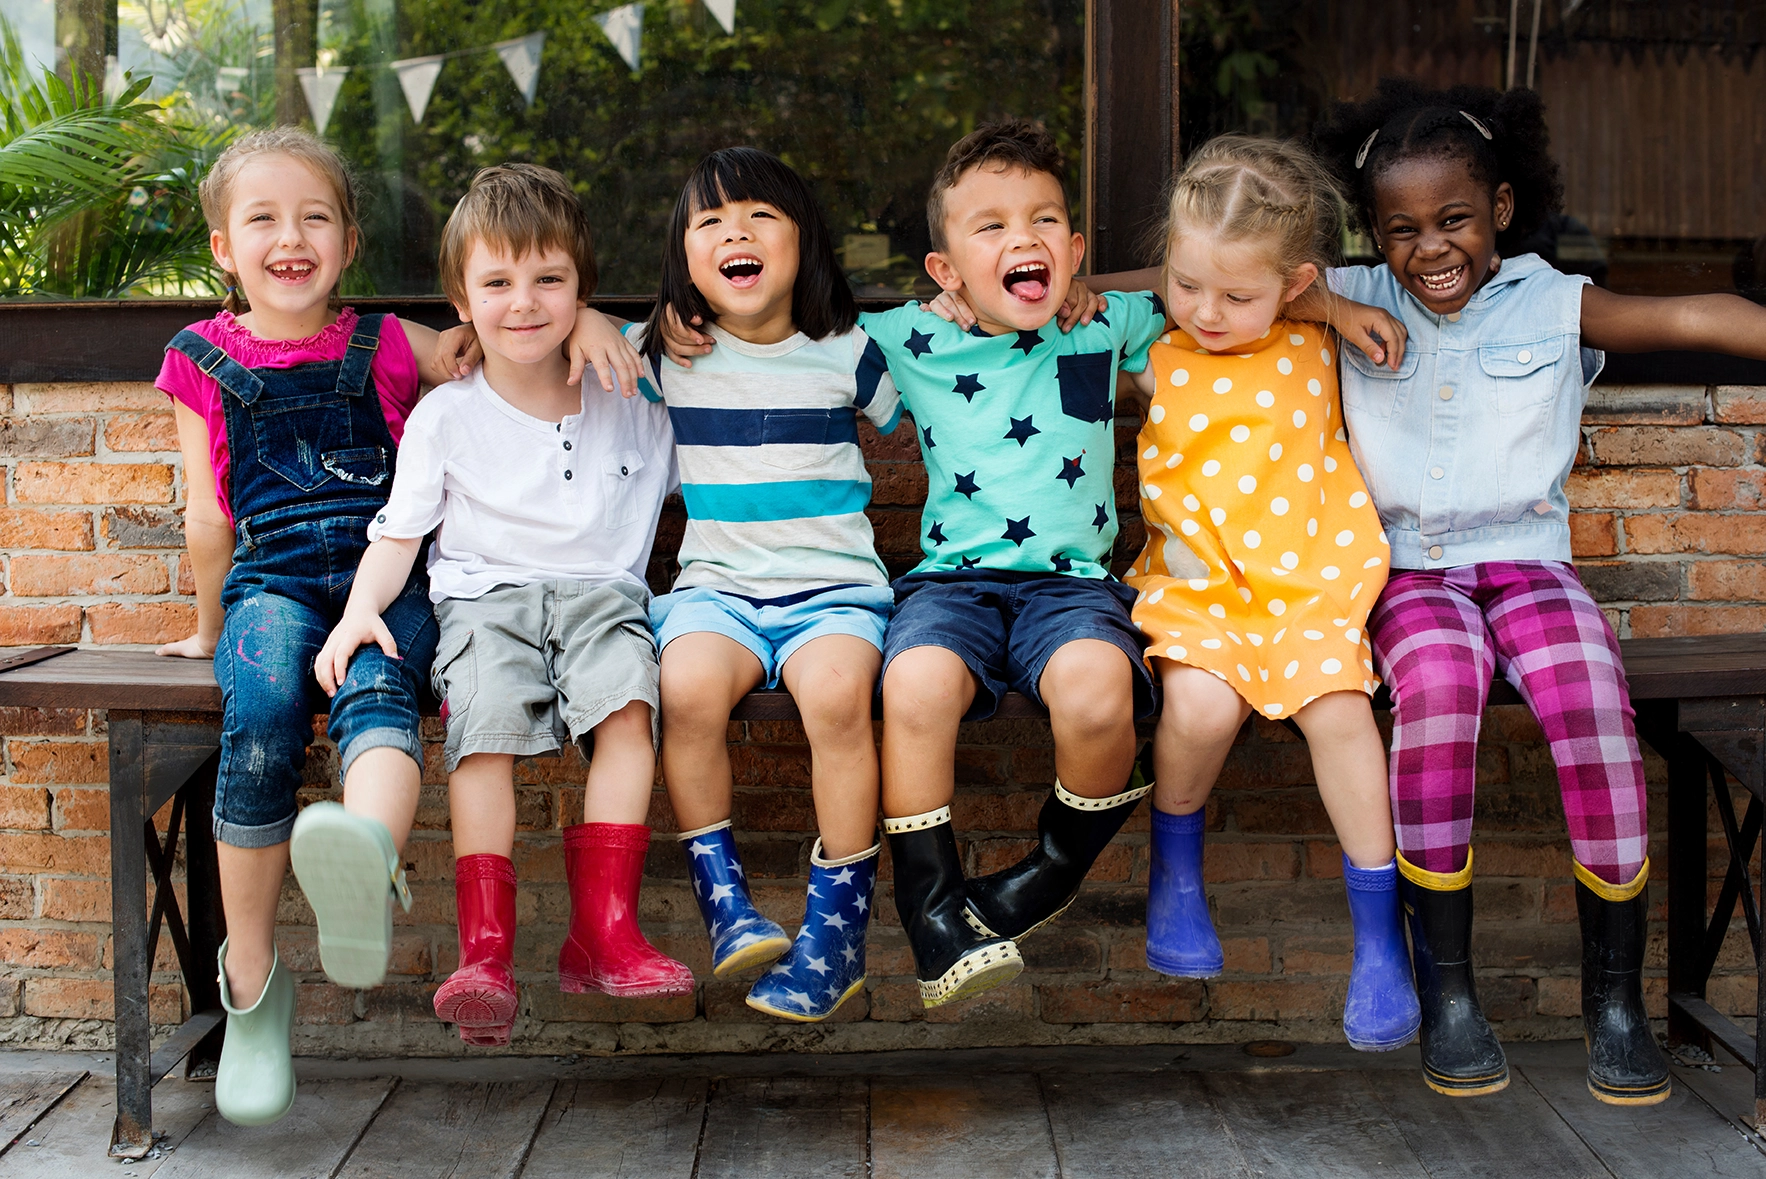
{"type": "Point", "coordinates": [289, 416]}
{"type": "Point", "coordinates": [1466, 449]}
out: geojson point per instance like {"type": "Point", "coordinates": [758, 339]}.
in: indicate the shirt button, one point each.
{"type": "Point", "coordinates": [1447, 392]}
{"type": "Point", "coordinates": [567, 444]}
{"type": "Point", "coordinates": [1453, 317]}
{"type": "Point", "coordinates": [1434, 552]}
{"type": "Point", "coordinates": [1524, 356]}
{"type": "Point", "coordinates": [380, 519]}
{"type": "Point", "coordinates": [1436, 473]}
{"type": "Point", "coordinates": [567, 474]}
{"type": "Point", "coordinates": [623, 471]}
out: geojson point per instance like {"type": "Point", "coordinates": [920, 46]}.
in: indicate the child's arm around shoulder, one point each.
{"type": "Point", "coordinates": [1694, 323]}
{"type": "Point", "coordinates": [207, 534]}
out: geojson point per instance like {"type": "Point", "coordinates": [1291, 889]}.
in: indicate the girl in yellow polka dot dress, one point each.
{"type": "Point", "coordinates": [1263, 556]}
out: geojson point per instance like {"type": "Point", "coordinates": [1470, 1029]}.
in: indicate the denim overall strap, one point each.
{"type": "Point", "coordinates": [352, 375]}
{"type": "Point", "coordinates": [213, 360]}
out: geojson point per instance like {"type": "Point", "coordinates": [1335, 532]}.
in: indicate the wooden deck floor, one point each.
{"type": "Point", "coordinates": [1023, 1114]}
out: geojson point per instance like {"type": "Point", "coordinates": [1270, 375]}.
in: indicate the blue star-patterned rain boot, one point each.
{"type": "Point", "coordinates": [742, 938]}
{"type": "Point", "coordinates": [1381, 1012]}
{"type": "Point", "coordinates": [826, 965]}
{"type": "Point", "coordinates": [1180, 935]}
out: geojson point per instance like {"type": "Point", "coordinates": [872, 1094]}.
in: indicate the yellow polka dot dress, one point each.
{"type": "Point", "coordinates": [1264, 554]}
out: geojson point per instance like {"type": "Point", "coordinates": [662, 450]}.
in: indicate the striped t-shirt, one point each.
{"type": "Point", "coordinates": [767, 440]}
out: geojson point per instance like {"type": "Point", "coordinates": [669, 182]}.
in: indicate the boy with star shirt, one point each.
{"type": "Point", "coordinates": [1015, 421]}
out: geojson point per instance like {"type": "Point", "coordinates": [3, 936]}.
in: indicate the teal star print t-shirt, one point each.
{"type": "Point", "coordinates": [1017, 432]}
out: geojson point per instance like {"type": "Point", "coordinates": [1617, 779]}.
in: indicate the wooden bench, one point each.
{"type": "Point", "coordinates": [1701, 704]}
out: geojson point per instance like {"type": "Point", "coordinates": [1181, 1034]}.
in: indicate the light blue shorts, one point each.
{"type": "Point", "coordinates": [776, 630]}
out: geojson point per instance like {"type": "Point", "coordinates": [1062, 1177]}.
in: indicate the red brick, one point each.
{"type": "Point", "coordinates": [1324, 859]}
{"type": "Point", "coordinates": [1559, 996]}
{"type": "Point", "coordinates": [1592, 534]}
{"type": "Point", "coordinates": [548, 1002]}
{"type": "Point", "coordinates": [1121, 1002]}
{"type": "Point", "coordinates": [87, 397]}
{"type": "Point", "coordinates": [1599, 488]}
{"type": "Point", "coordinates": [1504, 858]}
{"type": "Point", "coordinates": [1668, 446]}
{"type": "Point", "coordinates": [186, 576]}
{"type": "Point", "coordinates": [142, 432]}
{"type": "Point", "coordinates": [1223, 862]}
{"type": "Point", "coordinates": [42, 722]}
{"type": "Point", "coordinates": [898, 483]}
{"type": "Point", "coordinates": [1276, 999]}
{"type": "Point", "coordinates": [93, 483]}
{"type": "Point", "coordinates": [141, 622]}
{"type": "Point", "coordinates": [82, 810]}
{"type": "Point", "coordinates": [93, 574]}
{"type": "Point", "coordinates": [90, 998]}
{"type": "Point", "coordinates": [24, 626]}
{"type": "Point", "coordinates": [1695, 533]}
{"type": "Point", "coordinates": [1014, 1001]}
{"type": "Point", "coordinates": [17, 898]}
{"type": "Point", "coordinates": [24, 808]}
{"type": "Point", "coordinates": [58, 761]}
{"type": "Point", "coordinates": [75, 900]}
{"type": "Point", "coordinates": [1720, 489]}
{"type": "Point", "coordinates": [1648, 622]}
{"type": "Point", "coordinates": [85, 855]}
{"type": "Point", "coordinates": [1742, 405]}
{"type": "Point", "coordinates": [49, 949]}
{"type": "Point", "coordinates": [323, 1003]}
{"type": "Point", "coordinates": [1317, 955]}
{"type": "Point", "coordinates": [1735, 581]}
{"type": "Point", "coordinates": [896, 1002]}
{"type": "Point", "coordinates": [28, 528]}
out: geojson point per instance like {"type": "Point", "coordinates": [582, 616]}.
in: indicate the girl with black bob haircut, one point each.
{"type": "Point", "coordinates": [1466, 446]}
{"type": "Point", "coordinates": [821, 302]}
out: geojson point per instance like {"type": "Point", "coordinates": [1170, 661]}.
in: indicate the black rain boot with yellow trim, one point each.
{"type": "Point", "coordinates": [951, 960]}
{"type": "Point", "coordinates": [1072, 832]}
{"type": "Point", "coordinates": [1625, 1067]}
{"type": "Point", "coordinates": [1461, 1055]}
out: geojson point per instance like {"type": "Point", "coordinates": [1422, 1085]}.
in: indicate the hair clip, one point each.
{"type": "Point", "coordinates": [1367, 145]}
{"type": "Point", "coordinates": [1482, 130]}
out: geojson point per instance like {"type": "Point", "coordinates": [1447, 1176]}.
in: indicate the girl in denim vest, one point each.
{"type": "Point", "coordinates": [289, 415]}
{"type": "Point", "coordinates": [1466, 447]}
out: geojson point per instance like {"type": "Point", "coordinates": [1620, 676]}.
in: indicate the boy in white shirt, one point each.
{"type": "Point", "coordinates": [546, 496]}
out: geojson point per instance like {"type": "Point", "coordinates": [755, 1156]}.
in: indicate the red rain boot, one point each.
{"type": "Point", "coordinates": [479, 998]}
{"type": "Point", "coordinates": [605, 950]}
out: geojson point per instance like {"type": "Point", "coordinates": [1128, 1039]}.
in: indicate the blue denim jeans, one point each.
{"type": "Point", "coordinates": [286, 591]}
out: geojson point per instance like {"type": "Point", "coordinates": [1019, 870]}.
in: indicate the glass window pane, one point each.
{"type": "Point", "coordinates": [862, 96]}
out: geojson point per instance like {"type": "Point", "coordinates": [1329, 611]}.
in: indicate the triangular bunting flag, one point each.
{"type": "Point", "coordinates": [321, 91]}
{"type": "Point", "coordinates": [521, 57]}
{"type": "Point", "coordinates": [624, 27]}
{"type": "Point", "coordinates": [725, 11]}
{"type": "Point", "coordinates": [417, 77]}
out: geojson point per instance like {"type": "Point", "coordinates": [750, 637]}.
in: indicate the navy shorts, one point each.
{"type": "Point", "coordinates": [1006, 626]}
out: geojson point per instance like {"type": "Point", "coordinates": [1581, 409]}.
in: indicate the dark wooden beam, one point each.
{"type": "Point", "coordinates": [1131, 125]}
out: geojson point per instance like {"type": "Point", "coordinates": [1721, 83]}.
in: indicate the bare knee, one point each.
{"type": "Point", "coordinates": [1201, 710]}
{"type": "Point", "coordinates": [1089, 684]}
{"type": "Point", "coordinates": [834, 701]}
{"type": "Point", "coordinates": [1339, 716]}
{"type": "Point", "coordinates": [926, 688]}
{"type": "Point", "coordinates": [693, 706]}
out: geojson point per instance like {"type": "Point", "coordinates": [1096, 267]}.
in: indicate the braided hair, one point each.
{"type": "Point", "coordinates": [1236, 188]}
{"type": "Point", "coordinates": [1501, 136]}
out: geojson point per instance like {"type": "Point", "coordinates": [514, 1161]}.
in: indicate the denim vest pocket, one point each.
{"type": "Point", "coordinates": [294, 435]}
{"type": "Point", "coordinates": [619, 486]}
{"type": "Point", "coordinates": [1375, 391]}
{"type": "Point", "coordinates": [1525, 374]}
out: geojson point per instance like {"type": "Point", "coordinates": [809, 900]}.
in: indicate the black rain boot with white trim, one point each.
{"type": "Point", "coordinates": [951, 960]}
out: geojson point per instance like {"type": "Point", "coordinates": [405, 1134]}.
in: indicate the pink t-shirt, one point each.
{"type": "Point", "coordinates": [394, 368]}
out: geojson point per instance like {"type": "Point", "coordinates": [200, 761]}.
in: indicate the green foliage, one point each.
{"type": "Point", "coordinates": [97, 195]}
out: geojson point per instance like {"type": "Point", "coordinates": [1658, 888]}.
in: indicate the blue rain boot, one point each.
{"type": "Point", "coordinates": [1180, 935]}
{"type": "Point", "coordinates": [742, 938]}
{"type": "Point", "coordinates": [1382, 1012]}
{"type": "Point", "coordinates": [826, 965]}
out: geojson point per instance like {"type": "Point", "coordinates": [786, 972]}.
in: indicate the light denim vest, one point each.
{"type": "Point", "coordinates": [1466, 447]}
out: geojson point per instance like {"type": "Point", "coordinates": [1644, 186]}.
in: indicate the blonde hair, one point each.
{"type": "Point", "coordinates": [216, 190]}
{"type": "Point", "coordinates": [1236, 188]}
{"type": "Point", "coordinates": [517, 207]}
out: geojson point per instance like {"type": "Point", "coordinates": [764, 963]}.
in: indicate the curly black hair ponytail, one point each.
{"type": "Point", "coordinates": [1405, 119]}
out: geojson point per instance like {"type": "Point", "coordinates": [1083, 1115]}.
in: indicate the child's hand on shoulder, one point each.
{"type": "Point", "coordinates": [194, 647]}
{"type": "Point", "coordinates": [1378, 333]}
{"type": "Point", "coordinates": [680, 342]}
{"type": "Point", "coordinates": [457, 351]}
{"type": "Point", "coordinates": [1080, 305]}
{"type": "Point", "coordinates": [597, 340]}
{"type": "Point", "coordinates": [952, 308]}
{"type": "Point", "coordinates": [356, 629]}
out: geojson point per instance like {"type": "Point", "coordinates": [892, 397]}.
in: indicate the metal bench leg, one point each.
{"type": "Point", "coordinates": [1687, 875]}
{"type": "Point", "coordinates": [203, 914]}
{"type": "Point", "coordinates": [132, 1135]}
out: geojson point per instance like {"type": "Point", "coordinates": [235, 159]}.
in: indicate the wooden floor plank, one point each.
{"type": "Point", "coordinates": [26, 1097]}
{"type": "Point", "coordinates": [1164, 1124]}
{"type": "Point", "coordinates": [1496, 1136]}
{"type": "Point", "coordinates": [72, 1138]}
{"type": "Point", "coordinates": [785, 1127]}
{"type": "Point", "coordinates": [957, 1125]}
{"type": "Point", "coordinates": [620, 1130]}
{"type": "Point", "coordinates": [1730, 1091]}
{"type": "Point", "coordinates": [1681, 1136]}
{"type": "Point", "coordinates": [451, 1131]}
{"type": "Point", "coordinates": [310, 1143]}
{"type": "Point", "coordinates": [1323, 1125]}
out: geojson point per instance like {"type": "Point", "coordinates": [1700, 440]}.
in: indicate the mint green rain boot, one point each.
{"type": "Point", "coordinates": [254, 1084]}
{"type": "Point", "coordinates": [350, 871]}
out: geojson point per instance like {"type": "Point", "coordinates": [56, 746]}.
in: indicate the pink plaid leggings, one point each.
{"type": "Point", "coordinates": [1437, 638]}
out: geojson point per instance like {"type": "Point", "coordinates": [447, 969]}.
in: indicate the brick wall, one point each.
{"type": "Point", "coordinates": [1669, 529]}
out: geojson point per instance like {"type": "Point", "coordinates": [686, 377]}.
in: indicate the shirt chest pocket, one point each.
{"type": "Point", "coordinates": [1373, 392]}
{"type": "Point", "coordinates": [792, 439]}
{"type": "Point", "coordinates": [621, 488]}
{"type": "Point", "coordinates": [1524, 375]}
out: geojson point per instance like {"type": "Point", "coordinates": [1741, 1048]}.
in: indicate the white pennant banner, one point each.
{"type": "Point", "coordinates": [417, 77]}
{"type": "Point", "coordinates": [725, 11]}
{"type": "Point", "coordinates": [624, 27]}
{"type": "Point", "coordinates": [321, 87]}
{"type": "Point", "coordinates": [521, 57]}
